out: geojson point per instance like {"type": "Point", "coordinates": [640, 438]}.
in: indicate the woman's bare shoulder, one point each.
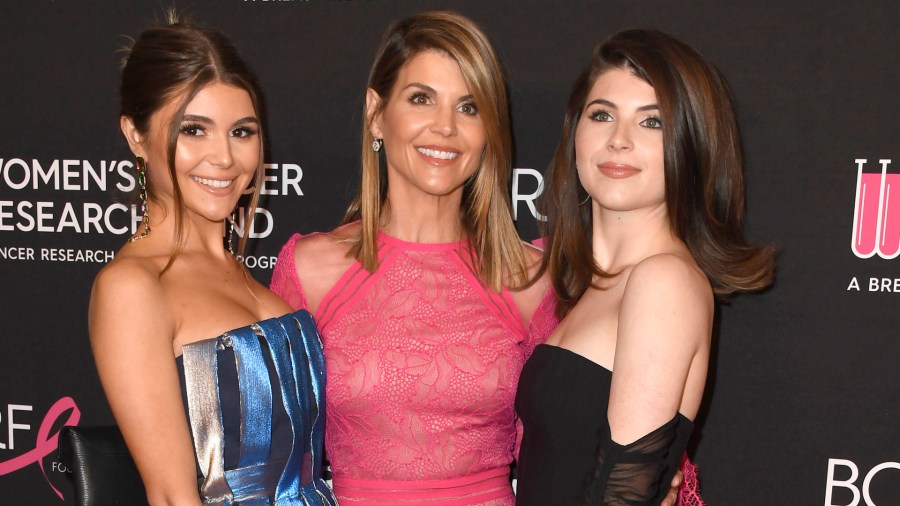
{"type": "Point", "coordinates": [668, 273]}
{"type": "Point", "coordinates": [320, 259]}
{"type": "Point", "coordinates": [667, 295]}
{"type": "Point", "coordinates": [323, 250]}
{"type": "Point", "coordinates": [129, 276]}
{"type": "Point", "coordinates": [129, 303]}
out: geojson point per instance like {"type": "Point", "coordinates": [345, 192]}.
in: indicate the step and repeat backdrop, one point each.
{"type": "Point", "coordinates": [803, 400]}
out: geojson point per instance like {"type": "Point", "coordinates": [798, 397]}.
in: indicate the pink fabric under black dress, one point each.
{"type": "Point", "coordinates": [422, 363]}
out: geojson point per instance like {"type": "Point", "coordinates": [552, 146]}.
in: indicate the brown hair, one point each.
{"type": "Point", "coordinates": [180, 59]}
{"type": "Point", "coordinates": [485, 208]}
{"type": "Point", "coordinates": [704, 180]}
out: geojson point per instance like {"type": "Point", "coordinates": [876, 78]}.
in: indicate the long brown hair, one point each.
{"type": "Point", "coordinates": [485, 207]}
{"type": "Point", "coordinates": [180, 59]}
{"type": "Point", "coordinates": [704, 175]}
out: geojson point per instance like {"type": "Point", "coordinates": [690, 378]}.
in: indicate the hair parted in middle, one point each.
{"type": "Point", "coordinates": [177, 60]}
{"type": "Point", "coordinates": [485, 207]}
{"type": "Point", "coordinates": [704, 173]}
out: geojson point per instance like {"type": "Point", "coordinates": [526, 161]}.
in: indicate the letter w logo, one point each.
{"type": "Point", "coordinates": [876, 216]}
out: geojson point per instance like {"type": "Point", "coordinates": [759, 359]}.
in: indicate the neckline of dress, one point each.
{"type": "Point", "coordinates": [419, 246]}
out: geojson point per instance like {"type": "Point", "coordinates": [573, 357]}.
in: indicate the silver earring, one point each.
{"type": "Point", "coordinates": [586, 199]}
{"type": "Point", "coordinates": [376, 145]}
{"type": "Point", "coordinates": [231, 234]}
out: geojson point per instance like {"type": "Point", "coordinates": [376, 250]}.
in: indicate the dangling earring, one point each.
{"type": "Point", "coordinates": [145, 207]}
{"type": "Point", "coordinates": [586, 199]}
{"type": "Point", "coordinates": [376, 145]}
{"type": "Point", "coordinates": [231, 233]}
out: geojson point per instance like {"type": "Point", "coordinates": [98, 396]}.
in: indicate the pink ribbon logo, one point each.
{"type": "Point", "coordinates": [45, 444]}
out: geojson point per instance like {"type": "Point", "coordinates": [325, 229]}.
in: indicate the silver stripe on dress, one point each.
{"type": "Point", "coordinates": [201, 383]}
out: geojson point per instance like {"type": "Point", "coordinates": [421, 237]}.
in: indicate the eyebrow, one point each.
{"type": "Point", "coordinates": [601, 101]}
{"type": "Point", "coordinates": [429, 89]}
{"type": "Point", "coordinates": [203, 119]}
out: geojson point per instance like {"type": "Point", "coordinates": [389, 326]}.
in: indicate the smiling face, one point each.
{"type": "Point", "coordinates": [619, 144]}
{"type": "Point", "coordinates": [216, 155]}
{"type": "Point", "coordinates": [432, 131]}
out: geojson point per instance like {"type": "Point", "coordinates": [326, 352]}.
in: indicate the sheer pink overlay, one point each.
{"type": "Point", "coordinates": [422, 364]}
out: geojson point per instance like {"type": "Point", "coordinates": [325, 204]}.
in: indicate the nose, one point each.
{"type": "Point", "coordinates": [444, 122]}
{"type": "Point", "coordinates": [220, 152]}
{"type": "Point", "coordinates": [620, 139]}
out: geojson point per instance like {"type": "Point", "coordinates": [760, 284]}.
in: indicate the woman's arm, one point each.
{"type": "Point", "coordinates": [132, 329]}
{"type": "Point", "coordinates": [662, 350]}
{"type": "Point", "coordinates": [664, 329]}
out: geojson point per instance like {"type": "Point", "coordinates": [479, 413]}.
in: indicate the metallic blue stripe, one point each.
{"type": "Point", "coordinates": [300, 362]}
{"type": "Point", "coordinates": [256, 397]}
{"type": "Point", "coordinates": [254, 481]}
{"type": "Point", "coordinates": [316, 364]}
{"type": "Point", "coordinates": [280, 350]}
{"type": "Point", "coordinates": [296, 352]}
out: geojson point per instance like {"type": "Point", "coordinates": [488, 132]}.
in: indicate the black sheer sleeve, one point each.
{"type": "Point", "coordinates": [638, 473]}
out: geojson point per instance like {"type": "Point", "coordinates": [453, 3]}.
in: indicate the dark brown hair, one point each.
{"type": "Point", "coordinates": [704, 176]}
{"type": "Point", "coordinates": [180, 59]}
{"type": "Point", "coordinates": [485, 207]}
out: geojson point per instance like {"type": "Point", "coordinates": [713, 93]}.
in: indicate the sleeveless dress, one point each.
{"type": "Point", "coordinates": [253, 399]}
{"type": "Point", "coordinates": [422, 366]}
{"type": "Point", "coordinates": [564, 427]}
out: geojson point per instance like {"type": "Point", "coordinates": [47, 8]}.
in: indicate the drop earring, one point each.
{"type": "Point", "coordinates": [145, 206]}
{"type": "Point", "coordinates": [231, 234]}
{"type": "Point", "coordinates": [377, 144]}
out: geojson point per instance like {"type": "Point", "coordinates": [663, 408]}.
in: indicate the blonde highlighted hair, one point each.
{"type": "Point", "coordinates": [485, 207]}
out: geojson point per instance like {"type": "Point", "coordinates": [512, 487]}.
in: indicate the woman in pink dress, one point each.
{"type": "Point", "coordinates": [422, 296]}
{"type": "Point", "coordinates": [423, 340]}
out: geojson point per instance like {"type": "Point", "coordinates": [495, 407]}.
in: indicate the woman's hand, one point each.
{"type": "Point", "coordinates": [672, 497]}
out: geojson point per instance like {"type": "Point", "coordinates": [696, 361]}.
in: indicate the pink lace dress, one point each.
{"type": "Point", "coordinates": [422, 363]}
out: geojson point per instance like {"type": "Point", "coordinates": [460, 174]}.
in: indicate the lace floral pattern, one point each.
{"type": "Point", "coordinates": [689, 493]}
{"type": "Point", "coordinates": [422, 364]}
{"type": "Point", "coordinates": [421, 376]}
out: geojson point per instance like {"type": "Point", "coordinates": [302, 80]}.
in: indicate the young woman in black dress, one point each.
{"type": "Point", "coordinates": [645, 199]}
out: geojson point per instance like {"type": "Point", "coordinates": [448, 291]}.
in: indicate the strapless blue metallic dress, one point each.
{"type": "Point", "coordinates": [254, 399]}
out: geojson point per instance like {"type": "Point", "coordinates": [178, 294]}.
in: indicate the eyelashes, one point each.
{"type": "Point", "coordinates": [600, 115]}
{"type": "Point", "coordinates": [421, 98]}
{"type": "Point", "coordinates": [468, 108]}
{"type": "Point", "coordinates": [197, 130]}
{"type": "Point", "coordinates": [244, 131]}
{"type": "Point", "coordinates": [653, 122]}
{"type": "Point", "coordinates": [192, 129]}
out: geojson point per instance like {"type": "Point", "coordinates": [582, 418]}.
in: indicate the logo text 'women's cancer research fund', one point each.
{"type": "Point", "coordinates": [876, 216]}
